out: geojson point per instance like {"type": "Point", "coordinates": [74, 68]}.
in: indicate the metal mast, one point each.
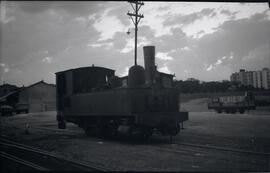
{"type": "Point", "coordinates": [135, 20]}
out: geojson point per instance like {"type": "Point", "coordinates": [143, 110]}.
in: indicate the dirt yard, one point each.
{"type": "Point", "coordinates": [245, 131]}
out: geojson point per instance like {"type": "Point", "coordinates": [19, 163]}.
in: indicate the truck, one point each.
{"type": "Point", "coordinates": [233, 103]}
{"type": "Point", "coordinates": [21, 107]}
{"type": "Point", "coordinates": [6, 110]}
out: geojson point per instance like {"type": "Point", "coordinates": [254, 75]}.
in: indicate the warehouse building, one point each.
{"type": "Point", "coordinates": [40, 96]}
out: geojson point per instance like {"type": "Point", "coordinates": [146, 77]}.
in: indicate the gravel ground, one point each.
{"type": "Point", "coordinates": [245, 131]}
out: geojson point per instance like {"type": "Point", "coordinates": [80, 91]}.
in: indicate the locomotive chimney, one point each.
{"type": "Point", "coordinates": [149, 64]}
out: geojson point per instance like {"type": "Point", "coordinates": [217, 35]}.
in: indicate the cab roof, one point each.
{"type": "Point", "coordinates": [88, 67]}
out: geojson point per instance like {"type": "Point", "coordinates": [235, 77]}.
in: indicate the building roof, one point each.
{"type": "Point", "coordinates": [88, 67]}
{"type": "Point", "coordinates": [24, 88]}
{"type": "Point", "coordinates": [40, 82]}
{"type": "Point", "coordinates": [166, 74]}
{"type": "Point", "coordinates": [7, 95]}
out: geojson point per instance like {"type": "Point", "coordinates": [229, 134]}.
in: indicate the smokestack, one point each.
{"type": "Point", "coordinates": [149, 63]}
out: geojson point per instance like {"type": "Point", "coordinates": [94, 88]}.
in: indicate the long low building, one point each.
{"type": "Point", "coordinates": [40, 96]}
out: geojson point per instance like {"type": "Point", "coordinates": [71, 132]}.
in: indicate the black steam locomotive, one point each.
{"type": "Point", "coordinates": [106, 105]}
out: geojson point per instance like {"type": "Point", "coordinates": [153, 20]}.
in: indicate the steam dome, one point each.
{"type": "Point", "coordinates": [136, 76]}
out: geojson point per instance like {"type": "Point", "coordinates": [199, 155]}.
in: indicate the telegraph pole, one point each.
{"type": "Point", "coordinates": [135, 20]}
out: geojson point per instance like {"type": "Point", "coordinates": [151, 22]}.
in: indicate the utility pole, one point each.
{"type": "Point", "coordinates": [135, 20]}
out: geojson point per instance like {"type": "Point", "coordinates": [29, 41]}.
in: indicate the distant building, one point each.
{"type": "Point", "coordinates": [265, 78]}
{"type": "Point", "coordinates": [242, 77]}
{"type": "Point", "coordinates": [7, 88]}
{"type": "Point", "coordinates": [235, 77]}
{"type": "Point", "coordinates": [192, 79]}
{"type": "Point", "coordinates": [249, 78]}
{"type": "Point", "coordinates": [257, 79]}
{"type": "Point", "coordinates": [40, 96]}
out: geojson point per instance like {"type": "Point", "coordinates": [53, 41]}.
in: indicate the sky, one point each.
{"type": "Point", "coordinates": [203, 40]}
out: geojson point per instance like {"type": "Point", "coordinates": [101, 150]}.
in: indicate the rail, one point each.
{"type": "Point", "coordinates": [223, 149]}
{"type": "Point", "coordinates": [81, 165]}
{"type": "Point", "coordinates": [23, 162]}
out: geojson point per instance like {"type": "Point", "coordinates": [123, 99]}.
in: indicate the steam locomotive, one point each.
{"type": "Point", "coordinates": [106, 105]}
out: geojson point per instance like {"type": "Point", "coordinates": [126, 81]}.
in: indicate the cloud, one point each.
{"type": "Point", "coordinates": [106, 45]}
{"type": "Point", "coordinates": [220, 60]}
{"type": "Point", "coordinates": [76, 9]}
{"type": "Point", "coordinates": [102, 25]}
{"type": "Point", "coordinates": [142, 41]}
{"type": "Point", "coordinates": [188, 19]}
{"type": "Point", "coordinates": [239, 44]}
{"type": "Point", "coordinates": [257, 58]}
{"type": "Point", "coordinates": [229, 13]}
{"type": "Point", "coordinates": [34, 7]}
{"type": "Point", "coordinates": [125, 72]}
{"type": "Point", "coordinates": [237, 36]}
{"type": "Point", "coordinates": [186, 48]}
{"type": "Point", "coordinates": [164, 56]}
{"type": "Point", "coordinates": [4, 17]}
{"type": "Point", "coordinates": [128, 47]}
{"type": "Point", "coordinates": [47, 60]}
{"type": "Point", "coordinates": [164, 69]}
{"type": "Point", "coordinates": [210, 67]}
{"type": "Point", "coordinates": [4, 67]}
{"type": "Point", "coordinates": [80, 34]}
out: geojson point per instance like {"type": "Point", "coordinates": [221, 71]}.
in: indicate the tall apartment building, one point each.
{"type": "Point", "coordinates": [265, 78]}
{"type": "Point", "coordinates": [249, 78]}
{"type": "Point", "coordinates": [257, 76]}
{"type": "Point", "coordinates": [242, 77]}
{"type": "Point", "coordinates": [257, 79]}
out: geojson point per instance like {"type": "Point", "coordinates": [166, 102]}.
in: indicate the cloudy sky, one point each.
{"type": "Point", "coordinates": [207, 41]}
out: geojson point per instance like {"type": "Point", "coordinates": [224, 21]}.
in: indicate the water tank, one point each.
{"type": "Point", "coordinates": [136, 76]}
{"type": "Point", "coordinates": [149, 63]}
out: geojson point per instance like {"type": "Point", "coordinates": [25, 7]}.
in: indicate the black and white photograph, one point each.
{"type": "Point", "coordinates": [156, 86]}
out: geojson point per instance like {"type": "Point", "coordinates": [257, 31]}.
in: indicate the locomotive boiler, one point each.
{"type": "Point", "coordinates": [106, 105]}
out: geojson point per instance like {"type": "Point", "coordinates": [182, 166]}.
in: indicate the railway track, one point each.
{"type": "Point", "coordinates": [193, 145]}
{"type": "Point", "coordinates": [223, 149]}
{"type": "Point", "coordinates": [178, 143]}
{"type": "Point", "coordinates": [35, 159]}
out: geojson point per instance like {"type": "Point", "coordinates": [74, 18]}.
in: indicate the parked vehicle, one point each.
{"type": "Point", "coordinates": [6, 110]}
{"type": "Point", "coordinates": [21, 107]}
{"type": "Point", "coordinates": [232, 104]}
